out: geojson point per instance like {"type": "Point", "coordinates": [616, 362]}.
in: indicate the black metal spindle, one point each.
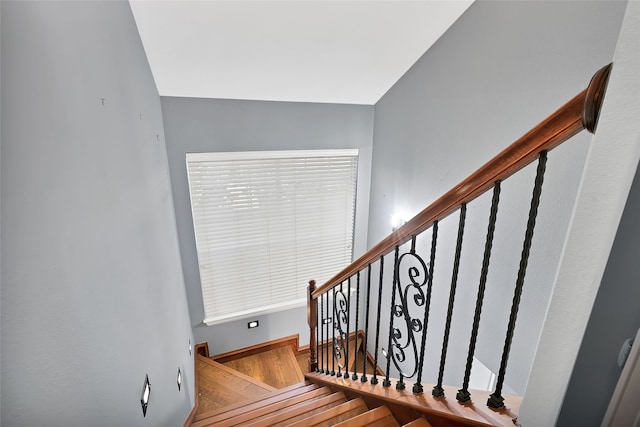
{"type": "Point", "coordinates": [463, 394]}
{"type": "Point", "coordinates": [496, 400]}
{"type": "Point", "coordinates": [320, 350]}
{"type": "Point", "coordinates": [355, 345]}
{"type": "Point", "coordinates": [438, 391]}
{"type": "Point", "coordinates": [400, 385]}
{"type": "Point", "coordinates": [374, 379]}
{"type": "Point", "coordinates": [363, 378]}
{"type": "Point", "coordinates": [318, 340]}
{"type": "Point", "coordinates": [387, 382]}
{"type": "Point", "coordinates": [333, 342]}
{"type": "Point", "coordinates": [417, 387]}
{"type": "Point", "coordinates": [337, 349]}
{"type": "Point", "coordinates": [327, 346]}
{"type": "Point", "coordinates": [346, 353]}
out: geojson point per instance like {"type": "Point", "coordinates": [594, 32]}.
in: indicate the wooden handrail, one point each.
{"type": "Point", "coordinates": [579, 113]}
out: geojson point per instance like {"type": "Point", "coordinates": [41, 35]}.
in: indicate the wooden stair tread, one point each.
{"type": "Point", "coordinates": [298, 411]}
{"type": "Point", "coordinates": [378, 417]}
{"type": "Point", "coordinates": [420, 422]}
{"type": "Point", "coordinates": [267, 406]}
{"type": "Point", "coordinates": [471, 413]}
{"type": "Point", "coordinates": [256, 402]}
{"type": "Point", "coordinates": [218, 386]}
{"type": "Point", "coordinates": [329, 417]}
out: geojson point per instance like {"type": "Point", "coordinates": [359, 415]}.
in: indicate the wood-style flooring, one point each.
{"type": "Point", "coordinates": [219, 386]}
{"type": "Point", "coordinates": [278, 368]}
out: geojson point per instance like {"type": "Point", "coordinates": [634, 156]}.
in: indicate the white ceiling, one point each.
{"type": "Point", "coordinates": [348, 52]}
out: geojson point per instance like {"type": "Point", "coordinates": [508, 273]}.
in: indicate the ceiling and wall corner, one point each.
{"type": "Point", "coordinates": [344, 52]}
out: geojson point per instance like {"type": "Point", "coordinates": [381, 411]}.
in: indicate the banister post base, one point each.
{"type": "Point", "coordinates": [463, 395]}
{"type": "Point", "coordinates": [437, 391]}
{"type": "Point", "coordinates": [417, 388]}
{"type": "Point", "coordinates": [495, 401]}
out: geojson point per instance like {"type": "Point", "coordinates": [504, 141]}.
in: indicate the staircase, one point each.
{"type": "Point", "coordinates": [268, 385]}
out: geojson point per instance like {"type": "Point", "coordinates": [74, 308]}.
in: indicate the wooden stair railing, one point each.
{"type": "Point", "coordinates": [330, 314]}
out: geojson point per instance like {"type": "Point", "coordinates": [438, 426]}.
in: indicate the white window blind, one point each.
{"type": "Point", "coordinates": [268, 222]}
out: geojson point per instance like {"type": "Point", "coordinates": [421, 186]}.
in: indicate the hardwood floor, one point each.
{"type": "Point", "coordinates": [277, 367]}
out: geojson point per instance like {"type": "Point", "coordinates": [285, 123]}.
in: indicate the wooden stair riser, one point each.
{"type": "Point", "coordinates": [299, 411]}
{"type": "Point", "coordinates": [272, 407]}
{"type": "Point", "coordinates": [239, 410]}
{"type": "Point", "coordinates": [332, 416]}
{"type": "Point", "coordinates": [378, 417]}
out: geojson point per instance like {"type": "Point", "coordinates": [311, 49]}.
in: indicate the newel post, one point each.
{"type": "Point", "coordinates": [312, 319]}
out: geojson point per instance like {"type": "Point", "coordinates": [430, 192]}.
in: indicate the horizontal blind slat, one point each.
{"type": "Point", "coordinates": [265, 226]}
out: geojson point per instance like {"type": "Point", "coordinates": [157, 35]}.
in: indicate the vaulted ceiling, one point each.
{"type": "Point", "coordinates": [332, 51]}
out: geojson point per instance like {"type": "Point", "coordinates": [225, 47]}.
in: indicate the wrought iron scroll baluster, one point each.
{"type": "Point", "coordinates": [339, 307]}
{"type": "Point", "coordinates": [355, 347]}
{"type": "Point", "coordinates": [346, 353]}
{"type": "Point", "coordinates": [417, 387]}
{"type": "Point", "coordinates": [463, 394]}
{"type": "Point", "coordinates": [496, 400]}
{"type": "Point", "coordinates": [438, 391]}
{"type": "Point", "coordinates": [387, 382]}
{"type": "Point", "coordinates": [374, 380]}
{"type": "Point", "coordinates": [333, 334]}
{"type": "Point", "coordinates": [363, 378]}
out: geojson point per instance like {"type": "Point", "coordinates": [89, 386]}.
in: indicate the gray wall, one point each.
{"type": "Point", "coordinates": [92, 297]}
{"type": "Point", "coordinates": [0, 208]}
{"type": "Point", "coordinates": [614, 318]}
{"type": "Point", "coordinates": [616, 311]}
{"type": "Point", "coordinates": [499, 70]}
{"type": "Point", "coordinates": [207, 125]}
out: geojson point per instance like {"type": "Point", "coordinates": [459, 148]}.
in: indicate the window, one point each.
{"type": "Point", "coordinates": [268, 222]}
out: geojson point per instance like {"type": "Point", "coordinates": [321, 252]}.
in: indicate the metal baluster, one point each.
{"type": "Point", "coordinates": [463, 394]}
{"type": "Point", "coordinates": [333, 342]}
{"type": "Point", "coordinates": [346, 353]}
{"type": "Point", "coordinates": [363, 378]}
{"type": "Point", "coordinates": [417, 387]}
{"type": "Point", "coordinates": [337, 325]}
{"type": "Point", "coordinates": [496, 400]}
{"type": "Point", "coordinates": [318, 328]}
{"type": "Point", "coordinates": [438, 391]}
{"type": "Point", "coordinates": [387, 382]}
{"type": "Point", "coordinates": [321, 325]}
{"type": "Point", "coordinates": [355, 349]}
{"type": "Point", "coordinates": [327, 346]}
{"type": "Point", "coordinates": [374, 380]}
